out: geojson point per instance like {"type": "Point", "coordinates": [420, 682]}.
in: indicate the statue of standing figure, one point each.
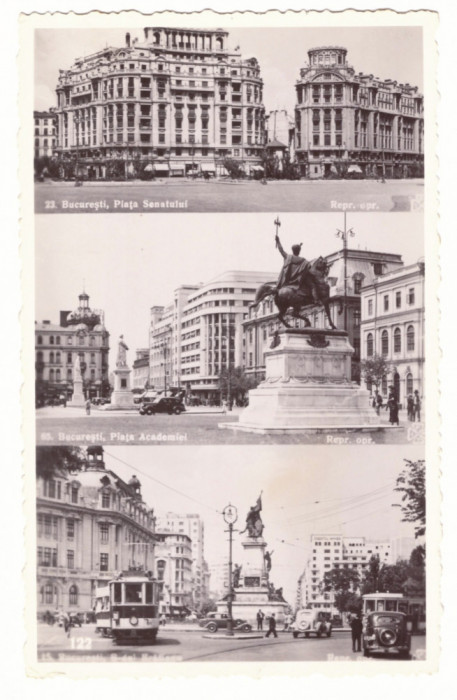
{"type": "Point", "coordinates": [122, 348]}
{"type": "Point", "coordinates": [267, 556]}
{"type": "Point", "coordinates": [77, 373]}
{"type": "Point", "coordinates": [254, 524]}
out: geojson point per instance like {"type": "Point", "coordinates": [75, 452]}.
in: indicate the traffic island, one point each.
{"type": "Point", "coordinates": [236, 635]}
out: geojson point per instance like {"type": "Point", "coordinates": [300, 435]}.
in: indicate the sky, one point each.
{"type": "Point", "coordinates": [307, 490]}
{"type": "Point", "coordinates": [130, 262]}
{"type": "Point", "coordinates": [385, 52]}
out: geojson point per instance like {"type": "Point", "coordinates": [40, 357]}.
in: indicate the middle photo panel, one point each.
{"type": "Point", "coordinates": [242, 329]}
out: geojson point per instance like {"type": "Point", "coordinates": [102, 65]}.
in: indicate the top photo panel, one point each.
{"type": "Point", "coordinates": [247, 119]}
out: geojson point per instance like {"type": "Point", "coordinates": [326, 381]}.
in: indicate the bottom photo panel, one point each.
{"type": "Point", "coordinates": [252, 555]}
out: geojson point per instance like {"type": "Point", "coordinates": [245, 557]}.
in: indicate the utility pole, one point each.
{"type": "Point", "coordinates": [344, 236]}
{"type": "Point", "coordinates": [230, 514]}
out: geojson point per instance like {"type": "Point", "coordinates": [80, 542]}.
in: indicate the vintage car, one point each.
{"type": "Point", "coordinates": [311, 622]}
{"type": "Point", "coordinates": [386, 633]}
{"type": "Point", "coordinates": [163, 404]}
{"type": "Point", "coordinates": [219, 621]}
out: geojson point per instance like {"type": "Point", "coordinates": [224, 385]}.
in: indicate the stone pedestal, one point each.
{"type": "Point", "coordinates": [307, 386]}
{"type": "Point", "coordinates": [122, 396]}
{"type": "Point", "coordinates": [78, 399]}
{"type": "Point", "coordinates": [253, 591]}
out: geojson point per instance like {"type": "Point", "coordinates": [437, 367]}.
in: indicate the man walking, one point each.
{"type": "Point", "coordinates": [260, 616]}
{"type": "Point", "coordinates": [356, 632]}
{"type": "Point", "coordinates": [417, 406]}
{"type": "Point", "coordinates": [271, 626]}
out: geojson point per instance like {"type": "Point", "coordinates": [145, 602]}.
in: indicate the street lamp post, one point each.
{"type": "Point", "coordinates": [230, 514]}
{"type": "Point", "coordinates": [344, 236]}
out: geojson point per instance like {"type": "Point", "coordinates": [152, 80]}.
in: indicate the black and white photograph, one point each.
{"type": "Point", "coordinates": [211, 558]}
{"type": "Point", "coordinates": [230, 408]}
{"type": "Point", "coordinates": [247, 329]}
{"type": "Point", "coordinates": [174, 119]}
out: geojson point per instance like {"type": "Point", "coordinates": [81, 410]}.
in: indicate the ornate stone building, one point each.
{"type": "Point", "coordinates": [174, 573]}
{"type": "Point", "coordinates": [80, 332]}
{"type": "Point", "coordinates": [353, 124]}
{"type": "Point", "coordinates": [90, 526]}
{"type": "Point", "coordinates": [177, 103]}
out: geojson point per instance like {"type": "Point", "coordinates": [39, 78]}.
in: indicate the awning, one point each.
{"type": "Point", "coordinates": [177, 166]}
{"type": "Point", "coordinates": [354, 169]}
{"type": "Point", "coordinates": [256, 167]}
{"type": "Point", "coordinates": [161, 166]}
{"type": "Point", "coordinates": [149, 168]}
{"type": "Point", "coordinates": [208, 167]}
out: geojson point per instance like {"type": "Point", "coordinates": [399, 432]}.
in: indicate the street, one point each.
{"type": "Point", "coordinates": [229, 196]}
{"type": "Point", "coordinates": [84, 644]}
{"type": "Point", "coordinates": [60, 425]}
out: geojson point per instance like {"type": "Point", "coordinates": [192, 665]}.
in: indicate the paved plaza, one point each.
{"type": "Point", "coordinates": [177, 644]}
{"type": "Point", "coordinates": [60, 425]}
{"type": "Point", "coordinates": [229, 196]}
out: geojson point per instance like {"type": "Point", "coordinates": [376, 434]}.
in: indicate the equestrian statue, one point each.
{"type": "Point", "coordinates": [301, 284]}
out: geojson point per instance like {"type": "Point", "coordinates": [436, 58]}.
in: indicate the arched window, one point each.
{"type": "Point", "coordinates": [51, 375]}
{"type": "Point", "coordinates": [57, 375]}
{"type": "Point", "coordinates": [39, 357]}
{"type": "Point", "coordinates": [39, 340]}
{"type": "Point", "coordinates": [384, 343]}
{"type": "Point", "coordinates": [57, 339]}
{"type": "Point", "coordinates": [69, 374]}
{"type": "Point", "coordinates": [409, 383]}
{"type": "Point", "coordinates": [397, 340]}
{"type": "Point", "coordinates": [73, 595]}
{"type": "Point", "coordinates": [410, 339]}
{"type": "Point", "coordinates": [370, 345]}
{"type": "Point", "coordinates": [92, 340]}
{"type": "Point", "coordinates": [51, 358]}
{"type": "Point", "coordinates": [69, 340]}
{"type": "Point", "coordinates": [51, 340]}
{"type": "Point", "coordinates": [50, 594]}
{"type": "Point", "coordinates": [58, 358]}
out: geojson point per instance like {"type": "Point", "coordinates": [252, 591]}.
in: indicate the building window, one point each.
{"type": "Point", "coordinates": [70, 529]}
{"type": "Point", "coordinates": [410, 340]}
{"type": "Point", "coordinates": [104, 533]}
{"type": "Point", "coordinates": [411, 296]}
{"type": "Point", "coordinates": [398, 300]}
{"type": "Point", "coordinates": [106, 500]}
{"type": "Point", "coordinates": [39, 340]}
{"type": "Point", "coordinates": [384, 343]}
{"type": "Point", "coordinates": [103, 561]}
{"type": "Point", "coordinates": [409, 383]}
{"type": "Point", "coordinates": [370, 307]}
{"type": "Point", "coordinates": [73, 595]}
{"type": "Point", "coordinates": [70, 558]}
{"type": "Point", "coordinates": [386, 302]}
{"type": "Point", "coordinates": [397, 340]}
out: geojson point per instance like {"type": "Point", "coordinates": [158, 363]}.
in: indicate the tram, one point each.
{"type": "Point", "coordinates": [127, 608]}
{"type": "Point", "coordinates": [412, 607]}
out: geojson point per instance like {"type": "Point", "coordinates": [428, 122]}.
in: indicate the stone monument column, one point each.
{"type": "Point", "coordinates": [78, 399]}
{"type": "Point", "coordinates": [122, 396]}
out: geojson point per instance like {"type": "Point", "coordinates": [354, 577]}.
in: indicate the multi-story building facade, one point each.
{"type": "Point", "coordinates": [191, 525]}
{"type": "Point", "coordinates": [140, 369]}
{"type": "Point", "coordinates": [393, 320]}
{"type": "Point", "coordinates": [45, 135]}
{"type": "Point", "coordinates": [174, 572]}
{"type": "Point", "coordinates": [177, 103]}
{"type": "Point", "coordinates": [90, 526]}
{"type": "Point", "coordinates": [219, 571]}
{"type": "Point", "coordinates": [359, 267]}
{"type": "Point", "coordinates": [329, 552]}
{"type": "Point", "coordinates": [348, 122]}
{"type": "Point", "coordinates": [80, 332]}
{"type": "Point", "coordinates": [198, 335]}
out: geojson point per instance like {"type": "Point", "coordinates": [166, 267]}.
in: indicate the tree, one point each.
{"type": "Point", "coordinates": [53, 460]}
{"type": "Point", "coordinates": [234, 168]}
{"type": "Point", "coordinates": [385, 578]}
{"type": "Point", "coordinates": [344, 583]}
{"type": "Point", "coordinates": [374, 369]}
{"type": "Point", "coordinates": [411, 483]}
{"type": "Point", "coordinates": [236, 383]}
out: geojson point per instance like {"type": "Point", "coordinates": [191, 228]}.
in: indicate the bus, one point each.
{"type": "Point", "coordinates": [127, 608]}
{"type": "Point", "coordinates": [412, 607]}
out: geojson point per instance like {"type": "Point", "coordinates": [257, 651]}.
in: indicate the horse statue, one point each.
{"type": "Point", "coordinates": [312, 289]}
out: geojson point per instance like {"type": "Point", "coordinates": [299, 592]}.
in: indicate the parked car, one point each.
{"type": "Point", "coordinates": [386, 633]}
{"type": "Point", "coordinates": [219, 621]}
{"type": "Point", "coordinates": [311, 622]}
{"type": "Point", "coordinates": [162, 403]}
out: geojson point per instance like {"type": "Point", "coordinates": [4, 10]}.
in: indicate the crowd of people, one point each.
{"type": "Point", "coordinates": [413, 405]}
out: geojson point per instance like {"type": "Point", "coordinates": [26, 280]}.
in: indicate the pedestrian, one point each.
{"type": "Point", "coordinates": [378, 402]}
{"type": "Point", "coordinates": [224, 406]}
{"type": "Point", "coordinates": [66, 623]}
{"type": "Point", "coordinates": [410, 407]}
{"type": "Point", "coordinates": [271, 626]}
{"type": "Point", "coordinates": [163, 619]}
{"type": "Point", "coordinates": [287, 622]}
{"type": "Point", "coordinates": [88, 407]}
{"type": "Point", "coordinates": [417, 406]}
{"type": "Point", "coordinates": [260, 616]}
{"type": "Point", "coordinates": [392, 405]}
{"type": "Point", "coordinates": [356, 632]}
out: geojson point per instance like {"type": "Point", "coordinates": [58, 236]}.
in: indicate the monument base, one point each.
{"type": "Point", "coordinates": [247, 603]}
{"type": "Point", "coordinates": [308, 387]}
{"type": "Point", "coordinates": [78, 400]}
{"type": "Point", "coordinates": [122, 396]}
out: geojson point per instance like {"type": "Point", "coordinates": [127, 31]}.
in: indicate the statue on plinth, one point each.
{"type": "Point", "coordinates": [122, 348]}
{"type": "Point", "coordinates": [77, 372]}
{"type": "Point", "coordinates": [254, 524]}
{"type": "Point", "coordinates": [301, 283]}
{"type": "Point", "coordinates": [267, 556]}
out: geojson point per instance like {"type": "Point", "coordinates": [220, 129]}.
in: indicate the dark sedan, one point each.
{"type": "Point", "coordinates": [219, 621]}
